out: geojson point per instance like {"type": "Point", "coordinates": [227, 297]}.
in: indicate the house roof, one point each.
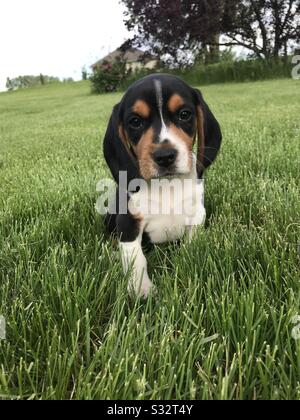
{"type": "Point", "coordinates": [131, 55]}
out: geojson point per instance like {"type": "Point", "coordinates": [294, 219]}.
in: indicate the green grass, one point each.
{"type": "Point", "coordinates": [220, 327]}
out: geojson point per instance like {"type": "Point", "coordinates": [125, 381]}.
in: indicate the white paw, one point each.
{"type": "Point", "coordinates": [141, 289]}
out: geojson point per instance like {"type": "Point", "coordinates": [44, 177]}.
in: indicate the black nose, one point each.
{"type": "Point", "coordinates": [165, 157]}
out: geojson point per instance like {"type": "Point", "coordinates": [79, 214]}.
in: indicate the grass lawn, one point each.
{"type": "Point", "coordinates": [220, 327]}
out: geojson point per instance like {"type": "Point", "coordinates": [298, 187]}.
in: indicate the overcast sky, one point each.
{"type": "Point", "coordinates": [57, 37]}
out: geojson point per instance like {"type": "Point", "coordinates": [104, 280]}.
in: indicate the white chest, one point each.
{"type": "Point", "coordinates": [168, 207]}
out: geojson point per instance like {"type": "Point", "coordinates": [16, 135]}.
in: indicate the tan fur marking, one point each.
{"type": "Point", "coordinates": [201, 138]}
{"type": "Point", "coordinates": [141, 108]}
{"type": "Point", "coordinates": [144, 150]}
{"type": "Point", "coordinates": [125, 141]}
{"type": "Point", "coordinates": [138, 217]}
{"type": "Point", "coordinates": [122, 133]}
{"type": "Point", "coordinates": [175, 102]}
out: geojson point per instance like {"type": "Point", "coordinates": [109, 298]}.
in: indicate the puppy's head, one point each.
{"type": "Point", "coordinates": [158, 122]}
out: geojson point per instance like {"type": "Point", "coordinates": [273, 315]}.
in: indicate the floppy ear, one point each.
{"type": "Point", "coordinates": [209, 134]}
{"type": "Point", "coordinates": [116, 148]}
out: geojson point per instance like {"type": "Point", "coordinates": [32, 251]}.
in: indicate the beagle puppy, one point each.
{"type": "Point", "coordinates": [149, 148]}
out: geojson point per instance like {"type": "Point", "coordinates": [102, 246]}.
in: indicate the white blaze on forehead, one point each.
{"type": "Point", "coordinates": [182, 163]}
{"type": "Point", "coordinates": [159, 100]}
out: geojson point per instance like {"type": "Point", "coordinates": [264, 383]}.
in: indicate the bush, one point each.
{"type": "Point", "coordinates": [108, 77]}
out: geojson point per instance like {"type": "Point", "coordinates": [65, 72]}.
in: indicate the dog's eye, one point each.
{"type": "Point", "coordinates": [185, 115]}
{"type": "Point", "coordinates": [136, 123]}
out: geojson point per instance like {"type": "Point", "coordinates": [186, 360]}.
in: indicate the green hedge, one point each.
{"type": "Point", "coordinates": [232, 71]}
{"type": "Point", "coordinates": [238, 71]}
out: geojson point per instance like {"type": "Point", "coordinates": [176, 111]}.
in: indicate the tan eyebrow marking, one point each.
{"type": "Point", "coordinates": [141, 108]}
{"type": "Point", "coordinates": [175, 102]}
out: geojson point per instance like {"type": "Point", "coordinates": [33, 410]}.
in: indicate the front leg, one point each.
{"type": "Point", "coordinates": [130, 231]}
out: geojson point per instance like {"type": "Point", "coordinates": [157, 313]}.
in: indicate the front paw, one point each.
{"type": "Point", "coordinates": [141, 289]}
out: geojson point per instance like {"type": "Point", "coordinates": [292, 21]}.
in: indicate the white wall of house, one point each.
{"type": "Point", "coordinates": [136, 66]}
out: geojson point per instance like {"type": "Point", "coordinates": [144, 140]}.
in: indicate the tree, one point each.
{"type": "Point", "coordinates": [183, 28]}
{"type": "Point", "coordinates": [178, 28]}
{"type": "Point", "coordinates": [268, 28]}
{"type": "Point", "coordinates": [84, 73]}
{"type": "Point", "coordinates": [9, 84]}
{"type": "Point", "coordinates": [29, 81]}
